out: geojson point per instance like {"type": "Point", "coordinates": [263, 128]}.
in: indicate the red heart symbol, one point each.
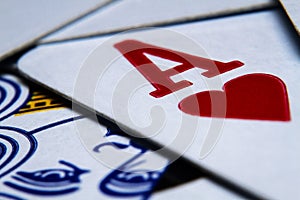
{"type": "Point", "coordinates": [252, 96]}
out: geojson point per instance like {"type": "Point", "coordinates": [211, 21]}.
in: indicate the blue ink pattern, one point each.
{"type": "Point", "coordinates": [12, 104]}
{"type": "Point", "coordinates": [48, 181]}
{"type": "Point", "coordinates": [12, 141]}
{"type": "Point", "coordinates": [117, 144]}
{"type": "Point", "coordinates": [4, 196]}
{"type": "Point", "coordinates": [123, 182]}
{"type": "Point", "coordinates": [118, 183]}
{"type": "Point", "coordinates": [2, 150]}
{"type": "Point", "coordinates": [18, 145]}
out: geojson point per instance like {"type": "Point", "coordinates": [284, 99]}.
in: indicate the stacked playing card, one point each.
{"type": "Point", "coordinates": [137, 99]}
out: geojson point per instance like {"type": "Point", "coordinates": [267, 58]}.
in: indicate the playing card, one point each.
{"type": "Point", "coordinates": [52, 160]}
{"type": "Point", "coordinates": [222, 92]}
{"type": "Point", "coordinates": [123, 15]}
{"type": "Point", "coordinates": [293, 10]}
{"type": "Point", "coordinates": [23, 23]}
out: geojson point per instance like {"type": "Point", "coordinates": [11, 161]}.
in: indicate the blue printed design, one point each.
{"type": "Point", "coordinates": [48, 181]}
{"type": "Point", "coordinates": [27, 143]}
{"type": "Point", "coordinates": [13, 141]}
{"type": "Point", "coordinates": [124, 182]}
{"type": "Point", "coordinates": [4, 196]}
{"type": "Point", "coordinates": [14, 103]}
{"type": "Point", "coordinates": [14, 149]}
{"type": "Point", "coordinates": [17, 146]}
{"type": "Point", "coordinates": [2, 150]}
{"type": "Point", "coordinates": [54, 124]}
{"type": "Point", "coordinates": [118, 144]}
{"type": "Point", "coordinates": [3, 94]}
{"type": "Point", "coordinates": [120, 182]}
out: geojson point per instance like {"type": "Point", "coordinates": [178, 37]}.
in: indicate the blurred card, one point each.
{"type": "Point", "coordinates": [222, 92]}
{"type": "Point", "coordinates": [23, 23]}
{"type": "Point", "coordinates": [124, 15]}
{"type": "Point", "coordinates": [292, 8]}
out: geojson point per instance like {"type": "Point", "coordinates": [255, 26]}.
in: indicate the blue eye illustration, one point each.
{"type": "Point", "coordinates": [128, 180]}
{"type": "Point", "coordinates": [133, 183]}
{"type": "Point", "coordinates": [48, 181]}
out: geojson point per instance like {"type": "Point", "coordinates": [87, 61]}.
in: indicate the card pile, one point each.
{"type": "Point", "coordinates": [141, 99]}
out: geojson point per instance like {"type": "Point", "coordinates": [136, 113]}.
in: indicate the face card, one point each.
{"type": "Point", "coordinates": [23, 23]}
{"type": "Point", "coordinates": [45, 157]}
{"type": "Point", "coordinates": [292, 8]}
{"type": "Point", "coordinates": [124, 15]}
{"type": "Point", "coordinates": [222, 92]}
{"type": "Point", "coordinates": [53, 159]}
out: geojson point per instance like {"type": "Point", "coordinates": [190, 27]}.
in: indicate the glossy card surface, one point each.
{"type": "Point", "coordinates": [221, 92]}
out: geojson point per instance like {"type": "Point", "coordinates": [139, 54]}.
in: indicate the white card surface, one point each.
{"type": "Point", "coordinates": [43, 154]}
{"type": "Point", "coordinates": [199, 189]}
{"type": "Point", "coordinates": [123, 15]}
{"type": "Point", "coordinates": [259, 151]}
{"type": "Point", "coordinates": [23, 23]}
{"type": "Point", "coordinates": [292, 8]}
